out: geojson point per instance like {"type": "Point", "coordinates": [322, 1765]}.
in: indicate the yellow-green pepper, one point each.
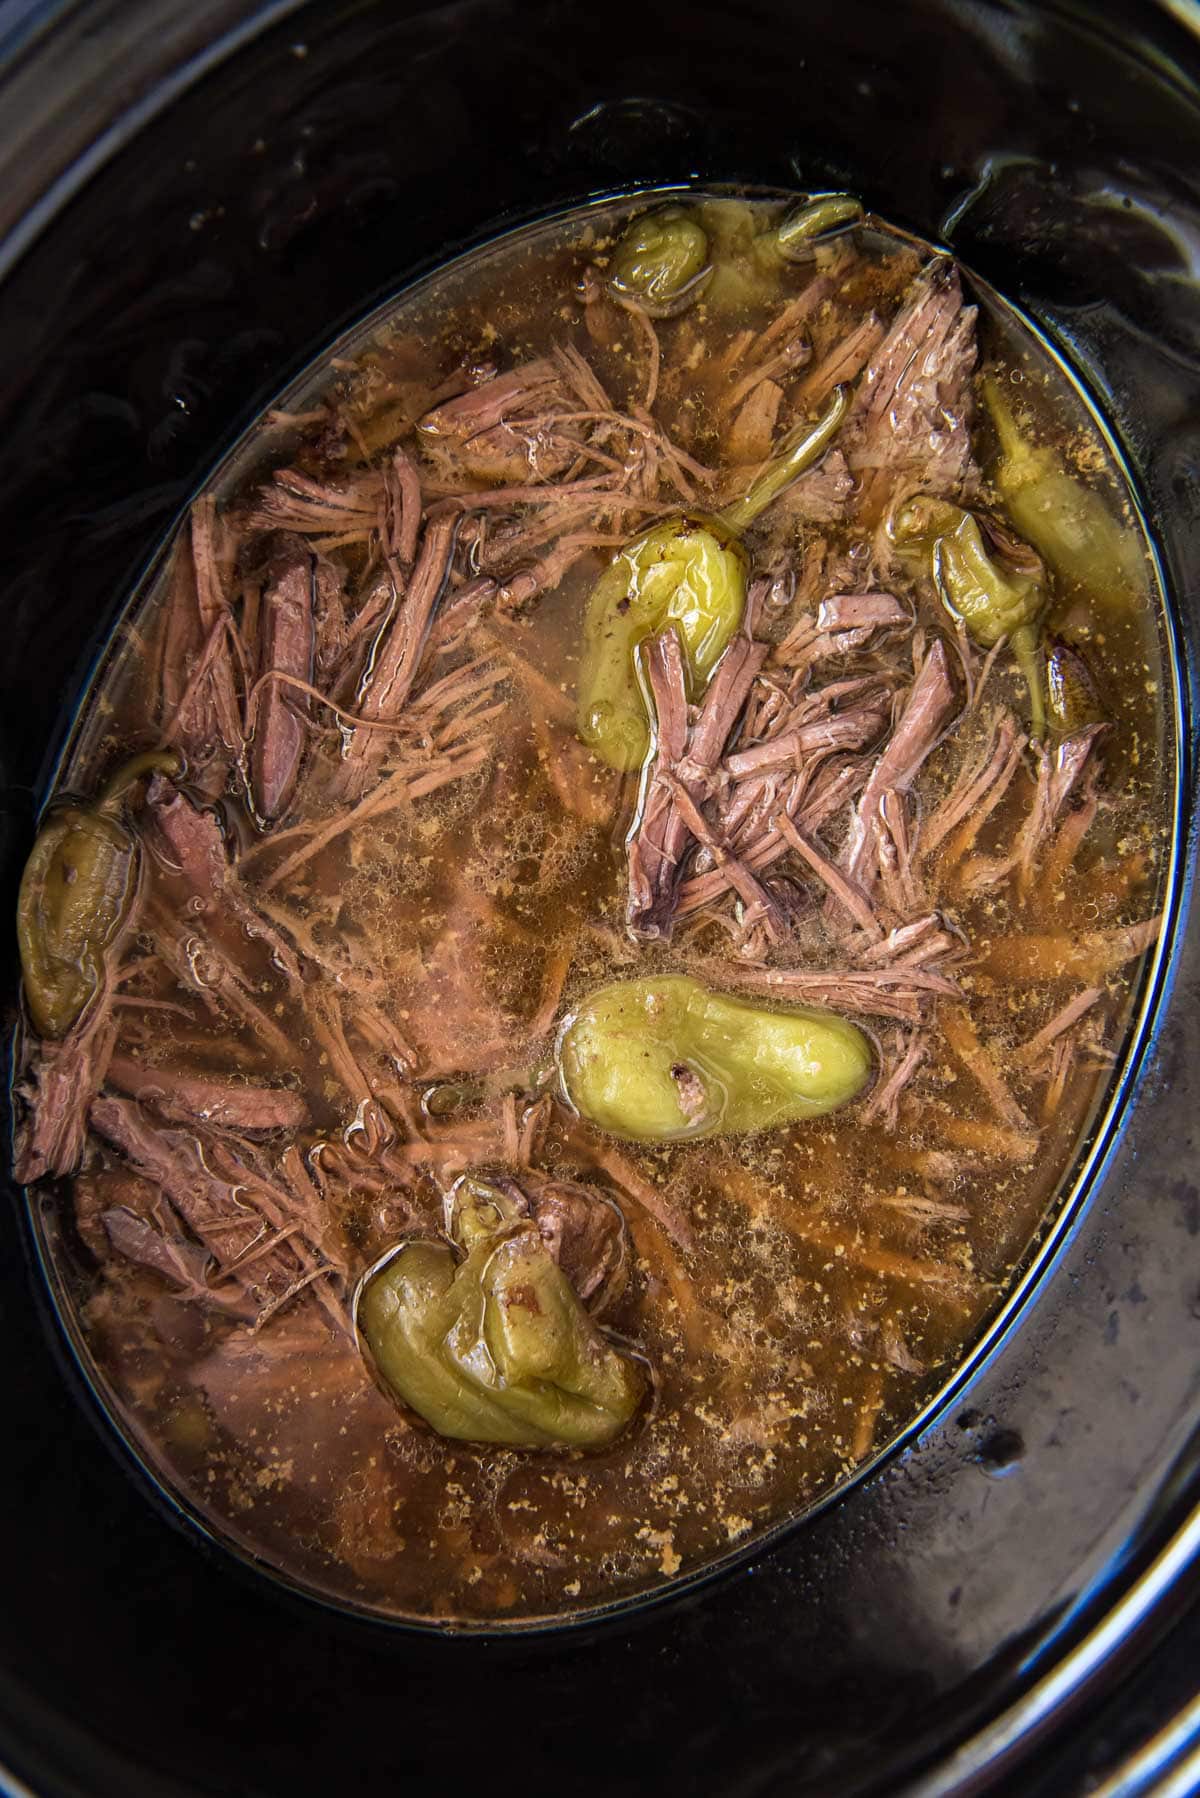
{"type": "Point", "coordinates": [664, 1059]}
{"type": "Point", "coordinates": [661, 261]}
{"type": "Point", "coordinates": [820, 217]}
{"type": "Point", "coordinates": [1068, 522]}
{"type": "Point", "coordinates": [990, 600]}
{"type": "Point", "coordinates": [496, 1347]}
{"type": "Point", "coordinates": [75, 894]}
{"type": "Point", "coordinates": [690, 572]}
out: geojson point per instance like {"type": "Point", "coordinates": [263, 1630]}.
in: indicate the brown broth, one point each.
{"type": "Point", "coordinates": [839, 1271]}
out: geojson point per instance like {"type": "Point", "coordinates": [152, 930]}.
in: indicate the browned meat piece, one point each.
{"type": "Point", "coordinates": [810, 803]}
{"type": "Point", "coordinates": [850, 897]}
{"type": "Point", "coordinates": [505, 429]}
{"type": "Point", "coordinates": [861, 611]}
{"type": "Point", "coordinates": [363, 619]}
{"type": "Point", "coordinates": [295, 502]}
{"type": "Point", "coordinates": [205, 718]}
{"type": "Point", "coordinates": [395, 655]}
{"type": "Point", "coordinates": [794, 352]}
{"type": "Point", "coordinates": [895, 845]}
{"type": "Point", "coordinates": [916, 944]}
{"type": "Point", "coordinates": [585, 1233]}
{"type": "Point", "coordinates": [330, 617]}
{"type": "Point", "coordinates": [204, 1099]}
{"type": "Point", "coordinates": [461, 610]}
{"type": "Point", "coordinates": [884, 1102]}
{"type": "Point", "coordinates": [212, 555]}
{"type": "Point", "coordinates": [52, 1092]}
{"type": "Point", "coordinates": [927, 711]}
{"type": "Point", "coordinates": [167, 1252]}
{"type": "Point", "coordinates": [844, 363]}
{"type": "Point", "coordinates": [761, 921]}
{"type": "Point", "coordinates": [1091, 955]}
{"type": "Point", "coordinates": [189, 842]}
{"type": "Point", "coordinates": [642, 1193]}
{"type": "Point", "coordinates": [204, 969]}
{"type": "Point", "coordinates": [856, 729]}
{"type": "Point", "coordinates": [1060, 772]}
{"type": "Point", "coordinates": [94, 1194]}
{"type": "Point", "coordinates": [1030, 1053]}
{"type": "Point", "coordinates": [182, 637]}
{"type": "Point", "coordinates": [911, 421]}
{"type": "Point", "coordinates": [822, 496]}
{"type": "Point", "coordinates": [257, 1234]}
{"type": "Point", "coordinates": [582, 1228]}
{"type": "Point", "coordinates": [684, 760]}
{"type": "Point", "coordinates": [958, 1028]}
{"type": "Point", "coordinates": [400, 524]}
{"type": "Point", "coordinates": [173, 1256]}
{"type": "Point", "coordinates": [752, 431]}
{"type": "Point", "coordinates": [979, 787]}
{"type": "Point", "coordinates": [286, 636]}
{"type": "Point", "coordinates": [876, 992]}
{"type": "Point", "coordinates": [187, 839]}
{"type": "Point", "coordinates": [109, 1189]}
{"type": "Point", "coordinates": [841, 623]}
{"type": "Point", "coordinates": [659, 837]}
{"type": "Point", "coordinates": [172, 1159]}
{"type": "Point", "coordinates": [803, 733]}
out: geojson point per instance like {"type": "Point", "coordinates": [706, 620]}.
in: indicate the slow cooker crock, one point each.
{"type": "Point", "coordinates": [194, 199]}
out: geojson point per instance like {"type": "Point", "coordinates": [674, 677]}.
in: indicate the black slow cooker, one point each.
{"type": "Point", "coordinates": [195, 197]}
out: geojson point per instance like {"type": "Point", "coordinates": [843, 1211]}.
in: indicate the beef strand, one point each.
{"type": "Point", "coordinates": [927, 712]}
{"type": "Point", "coordinates": [684, 759]}
{"type": "Point", "coordinates": [206, 1099]}
{"type": "Point", "coordinates": [286, 642]}
{"type": "Point", "coordinates": [54, 1087]}
{"type": "Point", "coordinates": [251, 1239]}
{"type": "Point", "coordinates": [910, 426]}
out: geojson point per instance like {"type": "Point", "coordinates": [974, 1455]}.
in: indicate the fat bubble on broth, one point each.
{"type": "Point", "coordinates": [592, 905]}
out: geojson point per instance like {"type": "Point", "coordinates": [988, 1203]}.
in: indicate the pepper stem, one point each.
{"type": "Point", "coordinates": [1013, 446]}
{"type": "Point", "coordinates": [153, 761]}
{"type": "Point", "coordinates": [798, 451]}
{"type": "Point", "coordinates": [1026, 647]}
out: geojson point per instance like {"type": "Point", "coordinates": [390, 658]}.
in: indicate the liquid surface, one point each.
{"type": "Point", "coordinates": [360, 928]}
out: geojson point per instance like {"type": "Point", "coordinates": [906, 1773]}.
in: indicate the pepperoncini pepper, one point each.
{"type": "Point", "coordinates": [661, 261]}
{"type": "Point", "coordinates": [496, 1347]}
{"type": "Point", "coordinates": [1065, 520]}
{"type": "Point", "coordinates": [663, 1059]}
{"type": "Point", "coordinates": [991, 599]}
{"type": "Point", "coordinates": [687, 571]}
{"type": "Point", "coordinates": [817, 219]}
{"type": "Point", "coordinates": [75, 894]}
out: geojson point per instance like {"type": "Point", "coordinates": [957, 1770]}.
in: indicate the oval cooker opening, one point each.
{"type": "Point", "coordinates": [706, 630]}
